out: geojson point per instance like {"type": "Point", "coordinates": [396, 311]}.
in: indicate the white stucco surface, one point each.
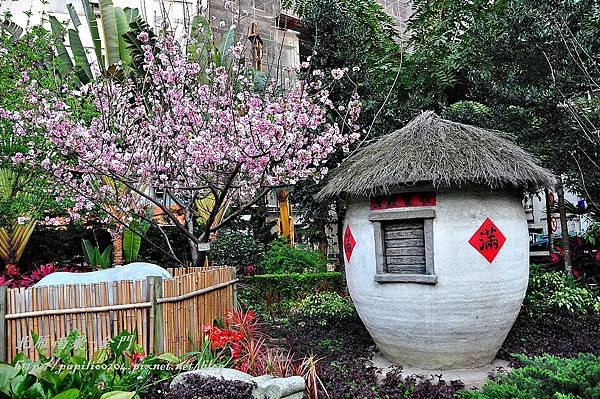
{"type": "Point", "coordinates": [131, 271]}
{"type": "Point", "coordinates": [461, 321]}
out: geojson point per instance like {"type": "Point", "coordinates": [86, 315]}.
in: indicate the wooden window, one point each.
{"type": "Point", "coordinates": [404, 245]}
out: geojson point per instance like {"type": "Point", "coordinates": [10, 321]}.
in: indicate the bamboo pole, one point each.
{"type": "Point", "coordinates": [156, 285]}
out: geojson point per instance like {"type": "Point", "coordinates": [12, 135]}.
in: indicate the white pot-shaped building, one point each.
{"type": "Point", "coordinates": [435, 240]}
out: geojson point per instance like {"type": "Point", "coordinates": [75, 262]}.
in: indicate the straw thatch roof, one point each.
{"type": "Point", "coordinates": [440, 152]}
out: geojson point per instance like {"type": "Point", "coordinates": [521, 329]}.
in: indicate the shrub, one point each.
{"type": "Point", "coordinates": [545, 377]}
{"type": "Point", "coordinates": [236, 249]}
{"type": "Point", "coordinates": [551, 290]}
{"type": "Point", "coordinates": [268, 294]}
{"type": "Point", "coordinates": [325, 307]}
{"type": "Point", "coordinates": [282, 258]}
{"type": "Point", "coordinates": [203, 387]}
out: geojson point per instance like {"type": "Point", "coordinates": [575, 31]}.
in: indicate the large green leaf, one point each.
{"type": "Point", "coordinates": [73, 15]}
{"type": "Point", "coordinates": [7, 180]}
{"type": "Point", "coordinates": [84, 69]}
{"type": "Point", "coordinates": [7, 373]}
{"type": "Point", "coordinates": [118, 395]}
{"type": "Point", "coordinates": [109, 31]}
{"type": "Point", "coordinates": [35, 391]}
{"type": "Point", "coordinates": [90, 252]}
{"type": "Point", "coordinates": [227, 41]}
{"type": "Point", "coordinates": [135, 46]}
{"type": "Point", "coordinates": [93, 25]}
{"type": "Point", "coordinates": [122, 28]}
{"type": "Point", "coordinates": [131, 13]}
{"type": "Point", "coordinates": [13, 29]}
{"type": "Point", "coordinates": [72, 393]}
{"type": "Point", "coordinates": [64, 60]}
{"type": "Point", "coordinates": [132, 242]}
{"type": "Point", "coordinates": [201, 42]}
{"type": "Point", "coordinates": [105, 258]}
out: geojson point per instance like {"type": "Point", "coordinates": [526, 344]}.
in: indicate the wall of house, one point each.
{"type": "Point", "coordinates": [281, 47]}
{"type": "Point", "coordinates": [462, 320]}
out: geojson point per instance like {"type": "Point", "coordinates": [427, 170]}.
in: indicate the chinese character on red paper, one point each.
{"type": "Point", "coordinates": [488, 240]}
{"type": "Point", "coordinates": [403, 200]}
{"type": "Point", "coordinates": [349, 243]}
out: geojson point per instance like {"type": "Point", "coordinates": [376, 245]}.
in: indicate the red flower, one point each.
{"type": "Point", "coordinates": [207, 329]}
{"type": "Point", "coordinates": [135, 358]}
{"type": "Point", "coordinates": [12, 270]}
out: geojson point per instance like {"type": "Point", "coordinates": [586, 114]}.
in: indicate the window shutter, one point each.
{"type": "Point", "coordinates": [404, 246]}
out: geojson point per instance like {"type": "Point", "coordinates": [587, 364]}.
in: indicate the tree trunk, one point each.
{"type": "Point", "coordinates": [549, 220]}
{"type": "Point", "coordinates": [189, 222]}
{"type": "Point", "coordinates": [563, 226]}
{"type": "Point", "coordinates": [340, 212]}
{"type": "Point", "coordinates": [117, 243]}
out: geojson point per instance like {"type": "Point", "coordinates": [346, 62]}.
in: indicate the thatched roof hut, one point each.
{"type": "Point", "coordinates": [437, 151]}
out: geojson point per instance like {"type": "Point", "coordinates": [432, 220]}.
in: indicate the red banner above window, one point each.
{"type": "Point", "coordinates": [404, 200]}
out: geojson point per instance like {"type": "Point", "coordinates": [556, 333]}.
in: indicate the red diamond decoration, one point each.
{"type": "Point", "coordinates": [488, 240]}
{"type": "Point", "coordinates": [349, 243]}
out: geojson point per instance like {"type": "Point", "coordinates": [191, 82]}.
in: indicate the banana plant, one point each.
{"type": "Point", "coordinates": [202, 45]}
{"type": "Point", "coordinates": [115, 23]}
{"type": "Point", "coordinates": [14, 241]}
{"type": "Point", "coordinates": [132, 239]}
{"type": "Point", "coordinates": [9, 27]}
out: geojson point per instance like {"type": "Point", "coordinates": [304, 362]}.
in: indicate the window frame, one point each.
{"type": "Point", "coordinates": [377, 218]}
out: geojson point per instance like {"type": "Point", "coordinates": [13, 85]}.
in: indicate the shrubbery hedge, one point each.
{"type": "Point", "coordinates": [268, 294]}
{"type": "Point", "coordinates": [545, 377]}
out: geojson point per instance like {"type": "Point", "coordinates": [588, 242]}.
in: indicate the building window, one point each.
{"type": "Point", "coordinates": [404, 245]}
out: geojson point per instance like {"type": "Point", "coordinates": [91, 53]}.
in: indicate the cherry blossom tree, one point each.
{"type": "Point", "coordinates": [191, 127]}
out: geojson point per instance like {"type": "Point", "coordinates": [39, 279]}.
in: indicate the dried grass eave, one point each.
{"type": "Point", "coordinates": [440, 152]}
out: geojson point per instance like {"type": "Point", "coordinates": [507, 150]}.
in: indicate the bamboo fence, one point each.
{"type": "Point", "coordinates": [167, 314]}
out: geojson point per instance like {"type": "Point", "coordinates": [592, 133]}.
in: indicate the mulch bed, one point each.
{"type": "Point", "coordinates": [557, 334]}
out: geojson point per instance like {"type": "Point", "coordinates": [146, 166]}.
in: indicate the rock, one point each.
{"type": "Point", "coordinates": [267, 386]}
{"type": "Point", "coordinates": [285, 386]}
{"type": "Point", "coordinates": [228, 374]}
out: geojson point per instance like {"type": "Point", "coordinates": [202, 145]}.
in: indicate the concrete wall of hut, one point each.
{"type": "Point", "coordinates": [462, 320]}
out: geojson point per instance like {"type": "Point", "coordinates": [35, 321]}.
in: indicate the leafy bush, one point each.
{"type": "Point", "coordinates": [545, 377]}
{"type": "Point", "coordinates": [282, 258]}
{"type": "Point", "coordinates": [235, 249]}
{"type": "Point", "coordinates": [270, 294]}
{"type": "Point", "coordinates": [203, 387]}
{"type": "Point", "coordinates": [120, 368]}
{"type": "Point", "coordinates": [551, 290]}
{"type": "Point", "coordinates": [325, 307]}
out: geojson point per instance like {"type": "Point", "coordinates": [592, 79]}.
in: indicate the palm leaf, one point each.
{"type": "Point", "coordinates": [122, 28]}
{"type": "Point", "coordinates": [7, 179]}
{"type": "Point", "coordinates": [73, 15]}
{"type": "Point", "coordinates": [64, 60]}
{"type": "Point", "coordinates": [109, 31]}
{"type": "Point", "coordinates": [93, 25]}
{"type": "Point", "coordinates": [13, 29]}
{"type": "Point", "coordinates": [84, 70]}
{"type": "Point", "coordinates": [132, 242]}
{"type": "Point", "coordinates": [135, 46]}
{"type": "Point", "coordinates": [131, 13]}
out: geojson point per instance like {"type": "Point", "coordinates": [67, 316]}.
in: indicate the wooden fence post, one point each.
{"type": "Point", "coordinates": [155, 289]}
{"type": "Point", "coordinates": [3, 332]}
